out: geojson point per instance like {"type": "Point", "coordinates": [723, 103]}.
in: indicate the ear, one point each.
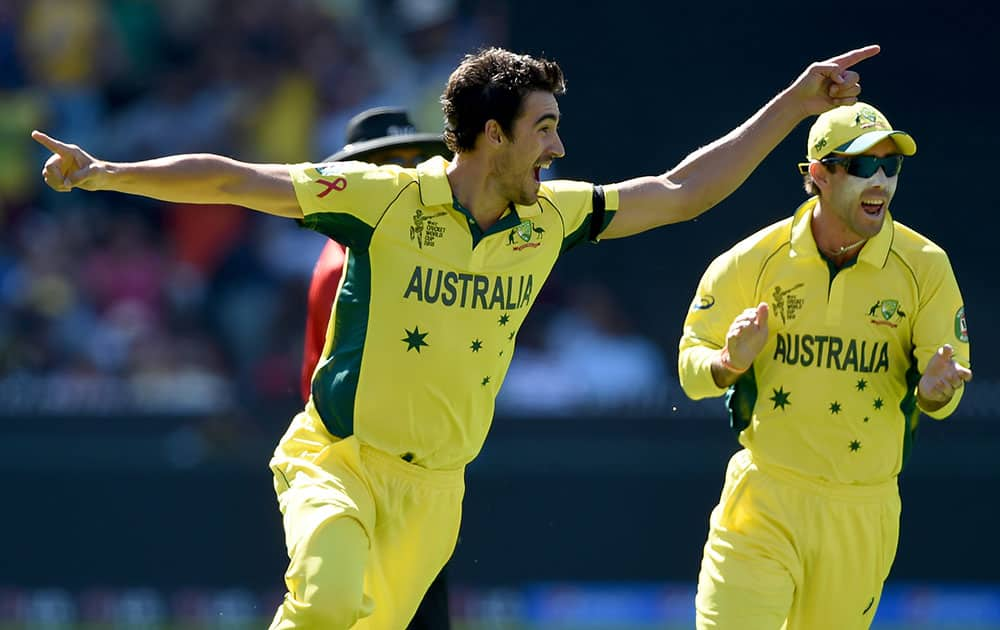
{"type": "Point", "coordinates": [494, 133]}
{"type": "Point", "coordinates": [819, 174]}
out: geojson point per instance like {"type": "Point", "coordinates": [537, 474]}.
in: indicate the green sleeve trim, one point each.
{"type": "Point", "coordinates": [344, 228]}
{"type": "Point", "coordinates": [335, 384]}
{"type": "Point", "coordinates": [741, 400]}
{"type": "Point", "coordinates": [596, 222]}
{"type": "Point", "coordinates": [911, 413]}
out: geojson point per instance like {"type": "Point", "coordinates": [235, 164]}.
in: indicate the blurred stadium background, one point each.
{"type": "Point", "coordinates": [149, 352]}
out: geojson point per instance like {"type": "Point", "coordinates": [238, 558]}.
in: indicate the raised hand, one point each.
{"type": "Point", "coordinates": [68, 167]}
{"type": "Point", "coordinates": [747, 336]}
{"type": "Point", "coordinates": [942, 377]}
{"type": "Point", "coordinates": [828, 84]}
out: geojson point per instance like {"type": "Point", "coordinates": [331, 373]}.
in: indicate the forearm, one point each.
{"type": "Point", "coordinates": [701, 374]}
{"type": "Point", "coordinates": [706, 176]}
{"type": "Point", "coordinates": [713, 172]}
{"type": "Point", "coordinates": [203, 178]}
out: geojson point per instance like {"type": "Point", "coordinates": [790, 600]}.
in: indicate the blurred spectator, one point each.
{"type": "Point", "coordinates": [156, 294]}
{"type": "Point", "coordinates": [584, 357]}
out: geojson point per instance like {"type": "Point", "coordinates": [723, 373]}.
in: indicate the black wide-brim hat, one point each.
{"type": "Point", "coordinates": [383, 128]}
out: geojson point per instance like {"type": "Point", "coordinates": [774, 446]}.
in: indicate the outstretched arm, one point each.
{"type": "Point", "coordinates": [712, 173]}
{"type": "Point", "coordinates": [192, 178]}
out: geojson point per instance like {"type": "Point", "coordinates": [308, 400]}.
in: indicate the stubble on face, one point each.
{"type": "Point", "coordinates": [509, 178]}
{"type": "Point", "coordinates": [861, 204]}
{"type": "Point", "coordinates": [533, 141]}
{"type": "Point", "coordinates": [846, 201]}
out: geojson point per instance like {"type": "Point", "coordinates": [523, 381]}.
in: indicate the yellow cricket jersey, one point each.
{"type": "Point", "coordinates": [424, 322]}
{"type": "Point", "coordinates": [833, 393]}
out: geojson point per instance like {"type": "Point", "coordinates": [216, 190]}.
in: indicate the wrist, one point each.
{"type": "Point", "coordinates": [726, 361]}
{"type": "Point", "coordinates": [100, 176]}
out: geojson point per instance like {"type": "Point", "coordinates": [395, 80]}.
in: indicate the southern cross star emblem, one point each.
{"type": "Point", "coordinates": [415, 339]}
{"type": "Point", "coordinates": [780, 398]}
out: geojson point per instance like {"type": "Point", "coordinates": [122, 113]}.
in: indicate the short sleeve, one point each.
{"type": "Point", "coordinates": [585, 208]}
{"type": "Point", "coordinates": [345, 200]}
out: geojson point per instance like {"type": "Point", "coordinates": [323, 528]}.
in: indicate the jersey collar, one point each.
{"type": "Point", "coordinates": [434, 187]}
{"type": "Point", "coordinates": [874, 252]}
{"type": "Point", "coordinates": [436, 191]}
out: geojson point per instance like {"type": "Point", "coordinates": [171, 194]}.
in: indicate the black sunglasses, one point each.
{"type": "Point", "coordinates": [865, 166]}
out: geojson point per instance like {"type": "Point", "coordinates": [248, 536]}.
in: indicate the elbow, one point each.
{"type": "Point", "coordinates": [693, 200]}
{"type": "Point", "coordinates": [686, 375]}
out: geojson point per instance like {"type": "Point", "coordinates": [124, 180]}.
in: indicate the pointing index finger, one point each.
{"type": "Point", "coordinates": [851, 57]}
{"type": "Point", "coordinates": [49, 142]}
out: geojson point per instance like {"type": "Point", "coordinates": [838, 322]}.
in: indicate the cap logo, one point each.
{"type": "Point", "coordinates": [867, 118]}
{"type": "Point", "coordinates": [820, 144]}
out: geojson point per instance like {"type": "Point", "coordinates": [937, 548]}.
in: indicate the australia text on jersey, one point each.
{"type": "Point", "coordinates": [830, 351]}
{"type": "Point", "coordinates": [469, 290]}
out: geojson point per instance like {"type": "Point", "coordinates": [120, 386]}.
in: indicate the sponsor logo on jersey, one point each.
{"type": "Point", "coordinates": [886, 313]}
{"type": "Point", "coordinates": [961, 328]}
{"type": "Point", "coordinates": [525, 231]}
{"type": "Point", "coordinates": [832, 353]}
{"type": "Point", "coordinates": [425, 229]}
{"type": "Point", "coordinates": [469, 290]}
{"type": "Point", "coordinates": [786, 303]}
{"type": "Point", "coordinates": [703, 303]}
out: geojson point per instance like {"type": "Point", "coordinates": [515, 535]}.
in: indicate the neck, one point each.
{"type": "Point", "coordinates": [469, 179]}
{"type": "Point", "coordinates": [834, 243]}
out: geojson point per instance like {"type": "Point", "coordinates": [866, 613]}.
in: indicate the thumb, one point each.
{"type": "Point", "coordinates": [946, 352]}
{"type": "Point", "coordinates": [763, 310]}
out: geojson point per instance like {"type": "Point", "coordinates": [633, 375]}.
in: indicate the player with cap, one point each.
{"type": "Point", "coordinates": [381, 135]}
{"type": "Point", "coordinates": [830, 332]}
{"type": "Point", "coordinates": [443, 263]}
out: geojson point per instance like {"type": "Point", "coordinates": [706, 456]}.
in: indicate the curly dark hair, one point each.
{"type": "Point", "coordinates": [491, 85]}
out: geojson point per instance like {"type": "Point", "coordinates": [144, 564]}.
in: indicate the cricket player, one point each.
{"type": "Point", "coordinates": [381, 135]}
{"type": "Point", "coordinates": [830, 332]}
{"type": "Point", "coordinates": [443, 263]}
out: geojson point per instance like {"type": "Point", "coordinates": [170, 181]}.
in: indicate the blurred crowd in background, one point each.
{"type": "Point", "coordinates": [111, 303]}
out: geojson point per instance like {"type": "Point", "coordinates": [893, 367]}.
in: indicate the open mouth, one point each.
{"type": "Point", "coordinates": [873, 207]}
{"type": "Point", "coordinates": [538, 173]}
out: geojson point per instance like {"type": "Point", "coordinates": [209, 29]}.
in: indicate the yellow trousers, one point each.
{"type": "Point", "coordinates": [788, 552]}
{"type": "Point", "coordinates": [366, 532]}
